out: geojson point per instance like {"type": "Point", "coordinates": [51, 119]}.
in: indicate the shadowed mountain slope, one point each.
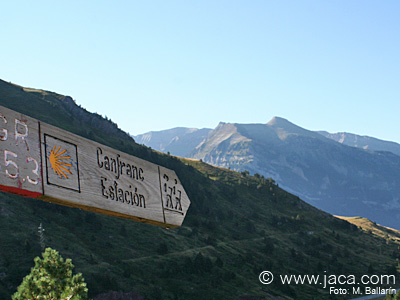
{"type": "Point", "coordinates": [334, 177]}
{"type": "Point", "coordinates": [237, 226]}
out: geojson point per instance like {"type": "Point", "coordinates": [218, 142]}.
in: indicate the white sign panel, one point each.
{"type": "Point", "coordinates": [48, 163]}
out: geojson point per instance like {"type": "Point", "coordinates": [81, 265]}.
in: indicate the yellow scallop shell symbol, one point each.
{"type": "Point", "coordinates": [56, 162]}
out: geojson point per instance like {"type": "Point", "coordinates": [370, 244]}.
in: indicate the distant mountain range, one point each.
{"type": "Point", "coordinates": [364, 142]}
{"type": "Point", "coordinates": [341, 173]}
{"type": "Point", "coordinates": [179, 141]}
{"type": "Point", "coordinates": [236, 227]}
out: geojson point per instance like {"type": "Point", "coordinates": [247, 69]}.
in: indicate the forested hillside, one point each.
{"type": "Point", "coordinates": [237, 226]}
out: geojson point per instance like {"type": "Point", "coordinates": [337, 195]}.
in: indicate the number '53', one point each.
{"type": "Point", "coordinates": [11, 158]}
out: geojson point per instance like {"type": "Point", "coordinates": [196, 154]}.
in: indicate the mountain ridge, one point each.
{"type": "Point", "coordinates": [237, 226]}
{"type": "Point", "coordinates": [363, 141]}
{"type": "Point", "coordinates": [333, 176]}
{"type": "Point", "coordinates": [179, 140]}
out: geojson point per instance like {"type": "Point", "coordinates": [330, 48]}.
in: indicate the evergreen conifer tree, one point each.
{"type": "Point", "coordinates": [51, 279]}
{"type": "Point", "coordinates": [397, 297]}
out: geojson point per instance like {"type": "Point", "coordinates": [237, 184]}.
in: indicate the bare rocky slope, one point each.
{"type": "Point", "coordinates": [330, 173]}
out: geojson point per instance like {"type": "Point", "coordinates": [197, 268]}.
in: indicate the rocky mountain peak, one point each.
{"type": "Point", "coordinates": [279, 122]}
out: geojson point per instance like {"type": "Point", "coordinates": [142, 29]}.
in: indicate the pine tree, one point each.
{"type": "Point", "coordinates": [389, 297]}
{"type": "Point", "coordinates": [397, 297]}
{"type": "Point", "coordinates": [50, 279]}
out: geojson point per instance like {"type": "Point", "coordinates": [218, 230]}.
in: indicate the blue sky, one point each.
{"type": "Point", "coordinates": [152, 65]}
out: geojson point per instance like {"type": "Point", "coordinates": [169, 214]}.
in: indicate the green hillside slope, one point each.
{"type": "Point", "coordinates": [237, 226]}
